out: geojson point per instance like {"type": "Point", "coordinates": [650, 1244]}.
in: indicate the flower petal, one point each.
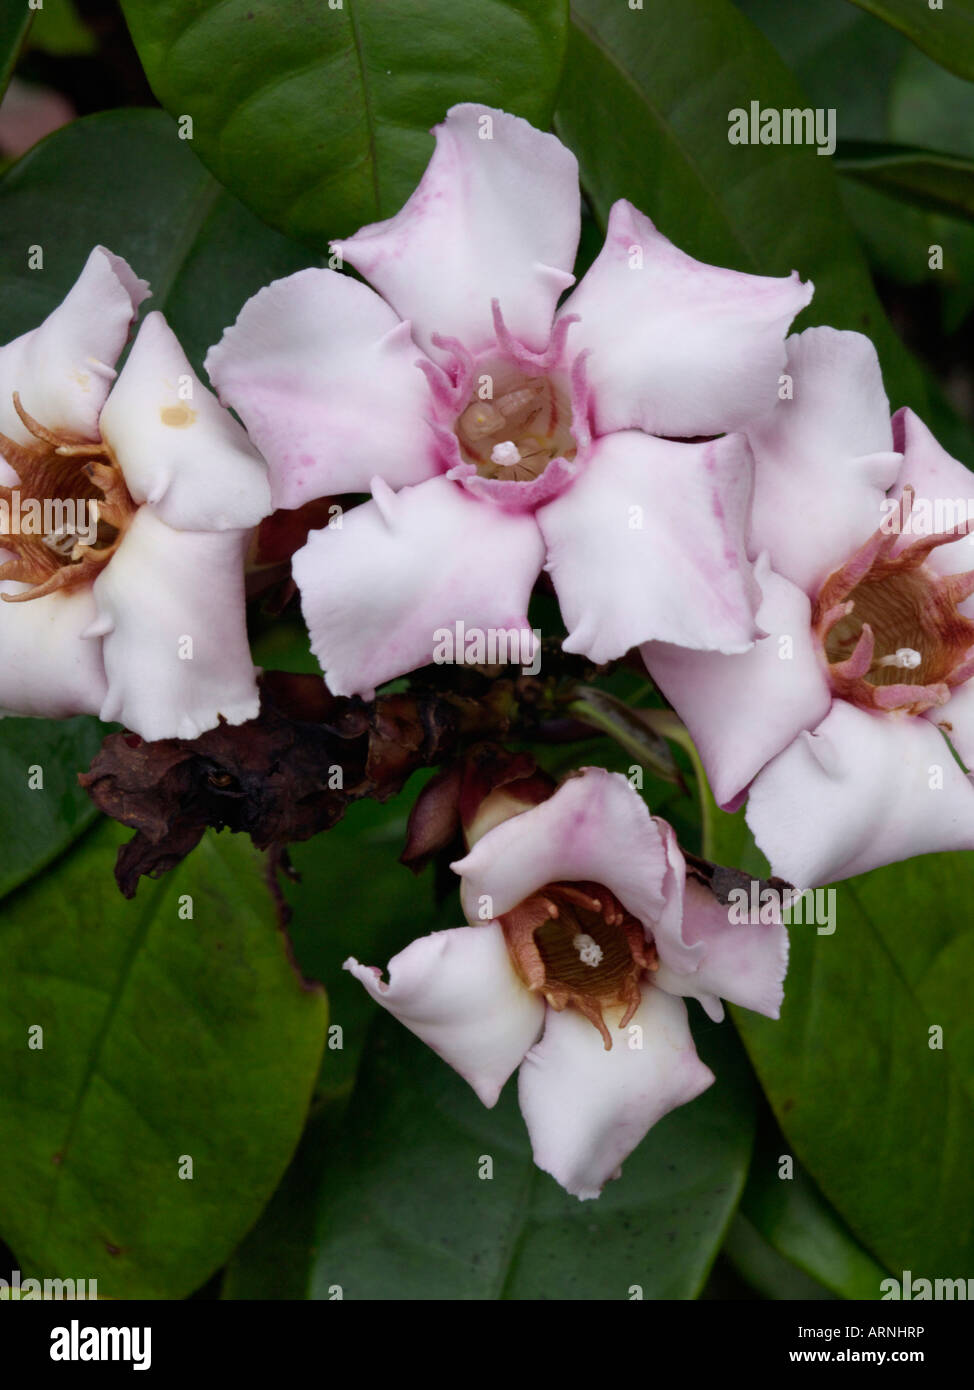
{"type": "Point", "coordinates": [943, 496]}
{"type": "Point", "coordinates": [403, 568]}
{"type": "Point", "coordinates": [496, 216]}
{"type": "Point", "coordinates": [63, 369]}
{"type": "Point", "coordinates": [177, 447]}
{"type": "Point", "coordinates": [46, 667]}
{"type": "Point", "coordinates": [742, 710]}
{"type": "Point", "coordinates": [325, 377]}
{"type": "Point", "coordinates": [161, 591]}
{"type": "Point", "coordinates": [824, 459]}
{"type": "Point", "coordinates": [649, 544]}
{"type": "Point", "coordinates": [673, 947]}
{"type": "Point", "coordinates": [458, 992]}
{"type": "Point", "coordinates": [744, 963]}
{"type": "Point", "coordinates": [862, 790]}
{"type": "Point", "coordinates": [595, 828]}
{"type": "Point", "coordinates": [586, 1109]}
{"type": "Point", "coordinates": [678, 347]}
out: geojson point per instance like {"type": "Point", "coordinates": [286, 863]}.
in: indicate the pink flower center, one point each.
{"type": "Point", "coordinates": [515, 434]}
{"type": "Point", "coordinates": [889, 625]}
{"type": "Point", "coordinates": [509, 421]}
{"type": "Point", "coordinates": [577, 945]}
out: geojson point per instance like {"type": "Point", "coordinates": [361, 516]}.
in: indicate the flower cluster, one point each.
{"type": "Point", "coordinates": [792, 564]}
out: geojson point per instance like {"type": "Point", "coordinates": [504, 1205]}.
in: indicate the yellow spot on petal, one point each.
{"type": "Point", "coordinates": [177, 416]}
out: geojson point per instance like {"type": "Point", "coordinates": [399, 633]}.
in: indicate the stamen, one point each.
{"type": "Point", "coordinates": [889, 597]}
{"type": "Point", "coordinates": [576, 945]}
{"type": "Point", "coordinates": [589, 950]}
{"type": "Point", "coordinates": [904, 657]}
{"type": "Point", "coordinates": [506, 454]}
{"type": "Point", "coordinates": [63, 472]}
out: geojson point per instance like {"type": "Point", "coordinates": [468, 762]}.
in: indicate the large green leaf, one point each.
{"type": "Point", "coordinates": [353, 897]}
{"type": "Point", "coordinates": [318, 116]}
{"type": "Point", "coordinates": [929, 107]}
{"type": "Point", "coordinates": [164, 1038]}
{"type": "Point", "coordinates": [882, 1120]}
{"type": "Point", "coordinates": [405, 1212]}
{"type": "Point", "coordinates": [755, 1260]}
{"type": "Point", "coordinates": [667, 78]}
{"type": "Point", "coordinates": [908, 100]}
{"type": "Point", "coordinates": [828, 46]}
{"type": "Point", "coordinates": [943, 182]}
{"type": "Point", "coordinates": [15, 20]}
{"type": "Point", "coordinates": [125, 179]}
{"type": "Point", "coordinates": [946, 32]}
{"type": "Point", "coordinates": [783, 1206]}
{"type": "Point", "coordinates": [42, 808]}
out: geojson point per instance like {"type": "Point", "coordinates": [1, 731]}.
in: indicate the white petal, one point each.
{"type": "Point", "coordinates": [823, 459]}
{"type": "Point", "coordinates": [172, 614]}
{"type": "Point", "coordinates": [586, 1109]}
{"type": "Point", "coordinates": [742, 710]}
{"type": "Point", "coordinates": [596, 828]}
{"type": "Point", "coordinates": [324, 375]}
{"type": "Point", "coordinates": [862, 790]}
{"type": "Point", "coordinates": [678, 347]}
{"type": "Point", "coordinates": [46, 667]}
{"type": "Point", "coordinates": [63, 369]}
{"type": "Point", "coordinates": [176, 445]}
{"type": "Point", "coordinates": [496, 216]}
{"type": "Point", "coordinates": [649, 545]}
{"type": "Point", "coordinates": [407, 566]}
{"type": "Point", "coordinates": [744, 963]}
{"type": "Point", "coordinates": [457, 990]}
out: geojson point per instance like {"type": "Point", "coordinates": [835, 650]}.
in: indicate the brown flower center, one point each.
{"type": "Point", "coordinates": [66, 518]}
{"type": "Point", "coordinates": [576, 944]}
{"type": "Point", "coordinates": [890, 627]}
{"type": "Point", "coordinates": [515, 433]}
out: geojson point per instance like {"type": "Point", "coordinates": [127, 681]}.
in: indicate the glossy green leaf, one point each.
{"type": "Point", "coordinates": [406, 1213]}
{"type": "Point", "coordinates": [908, 100]}
{"type": "Point", "coordinates": [770, 1275]}
{"type": "Point", "coordinates": [784, 1207]}
{"type": "Point", "coordinates": [15, 20]}
{"type": "Point", "coordinates": [42, 808]}
{"type": "Point", "coordinates": [166, 1038]}
{"type": "Point", "coordinates": [899, 238]}
{"type": "Point", "coordinates": [828, 46]}
{"type": "Point", "coordinates": [203, 251]}
{"type": "Point", "coordinates": [929, 107]}
{"type": "Point", "coordinates": [318, 116]}
{"type": "Point", "coordinates": [942, 182]}
{"type": "Point", "coordinates": [667, 78]}
{"type": "Point", "coordinates": [945, 32]}
{"type": "Point", "coordinates": [352, 897]}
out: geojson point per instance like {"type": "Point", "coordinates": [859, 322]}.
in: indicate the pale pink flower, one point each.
{"type": "Point", "coordinates": [585, 931]}
{"type": "Point", "coordinates": [129, 604]}
{"type": "Point", "coordinates": [522, 435]}
{"type": "Point", "coordinates": [834, 723]}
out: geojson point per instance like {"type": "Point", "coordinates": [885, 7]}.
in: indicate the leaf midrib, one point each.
{"type": "Point", "coordinates": [139, 935]}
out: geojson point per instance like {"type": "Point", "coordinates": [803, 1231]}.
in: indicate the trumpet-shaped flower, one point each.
{"type": "Point", "coordinates": [499, 432]}
{"type": "Point", "coordinates": [126, 504]}
{"type": "Point", "coordinates": [834, 723]}
{"type": "Point", "coordinates": [584, 933]}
